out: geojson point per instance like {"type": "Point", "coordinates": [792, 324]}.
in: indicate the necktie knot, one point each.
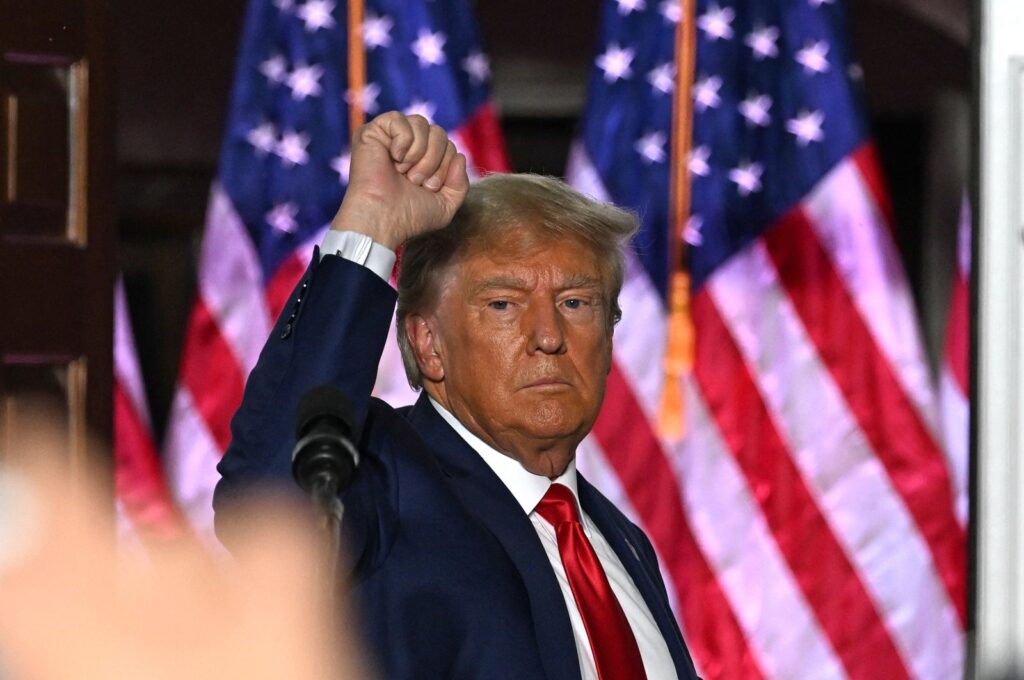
{"type": "Point", "coordinates": [558, 505]}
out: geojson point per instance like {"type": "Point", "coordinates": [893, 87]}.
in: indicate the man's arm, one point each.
{"type": "Point", "coordinates": [406, 179]}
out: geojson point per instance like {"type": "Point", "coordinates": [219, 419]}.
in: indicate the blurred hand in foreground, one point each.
{"type": "Point", "coordinates": [72, 606]}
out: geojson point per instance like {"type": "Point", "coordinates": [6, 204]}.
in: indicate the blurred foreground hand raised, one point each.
{"type": "Point", "coordinates": [73, 606]}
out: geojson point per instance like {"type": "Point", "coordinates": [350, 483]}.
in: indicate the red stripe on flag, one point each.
{"type": "Point", "coordinates": [957, 341]}
{"type": "Point", "coordinates": [482, 136]}
{"type": "Point", "coordinates": [138, 476]}
{"type": "Point", "coordinates": [886, 415]}
{"type": "Point", "coordinates": [870, 166]}
{"type": "Point", "coordinates": [712, 632]}
{"type": "Point", "coordinates": [281, 285]}
{"type": "Point", "coordinates": [210, 372]}
{"type": "Point", "coordinates": [823, 572]}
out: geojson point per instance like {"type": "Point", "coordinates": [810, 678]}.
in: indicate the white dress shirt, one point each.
{"type": "Point", "coordinates": [528, 489]}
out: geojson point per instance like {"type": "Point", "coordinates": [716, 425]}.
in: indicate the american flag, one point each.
{"type": "Point", "coordinates": [954, 376]}
{"type": "Point", "coordinates": [283, 172]}
{"type": "Point", "coordinates": [806, 522]}
{"type": "Point", "coordinates": [145, 509]}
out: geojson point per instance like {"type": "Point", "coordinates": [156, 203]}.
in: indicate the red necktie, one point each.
{"type": "Point", "coordinates": [616, 654]}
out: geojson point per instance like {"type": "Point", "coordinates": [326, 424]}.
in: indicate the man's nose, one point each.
{"type": "Point", "coordinates": [545, 329]}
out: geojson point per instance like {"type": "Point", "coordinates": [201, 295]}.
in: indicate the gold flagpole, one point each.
{"type": "Point", "coordinates": [356, 65]}
{"type": "Point", "coordinates": [679, 348]}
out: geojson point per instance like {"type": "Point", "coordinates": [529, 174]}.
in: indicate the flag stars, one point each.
{"type": "Point", "coordinates": [671, 10]}
{"type": "Point", "coordinates": [755, 109]}
{"type": "Point", "coordinates": [763, 42]}
{"type": "Point", "coordinates": [419, 107]}
{"type": "Point", "coordinates": [365, 98]}
{"type": "Point", "coordinates": [697, 163]}
{"type": "Point", "coordinates": [292, 148]}
{"type": "Point", "coordinates": [263, 137]}
{"type": "Point", "coordinates": [341, 165]}
{"type": "Point", "coordinates": [716, 22]}
{"type": "Point", "coordinates": [478, 66]}
{"type": "Point", "coordinates": [627, 7]}
{"type": "Point", "coordinates": [304, 82]}
{"type": "Point", "coordinates": [705, 93]}
{"type": "Point", "coordinates": [747, 177]}
{"type": "Point", "coordinates": [651, 147]}
{"type": "Point", "coordinates": [806, 127]}
{"type": "Point", "coordinates": [812, 57]}
{"type": "Point", "coordinates": [663, 77]}
{"type": "Point", "coordinates": [316, 14]}
{"type": "Point", "coordinates": [429, 48]}
{"type": "Point", "coordinates": [275, 68]}
{"type": "Point", "coordinates": [616, 63]}
{"type": "Point", "coordinates": [282, 218]}
{"type": "Point", "coordinates": [692, 231]}
{"type": "Point", "coordinates": [377, 31]}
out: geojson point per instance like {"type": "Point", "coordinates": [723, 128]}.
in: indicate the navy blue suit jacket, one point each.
{"type": "Point", "coordinates": [451, 580]}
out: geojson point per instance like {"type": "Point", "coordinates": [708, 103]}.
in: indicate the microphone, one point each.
{"type": "Point", "coordinates": [324, 459]}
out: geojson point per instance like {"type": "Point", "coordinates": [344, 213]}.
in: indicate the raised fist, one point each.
{"type": "Point", "coordinates": [406, 178]}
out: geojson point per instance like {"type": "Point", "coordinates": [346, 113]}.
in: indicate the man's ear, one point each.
{"type": "Point", "coordinates": [424, 342]}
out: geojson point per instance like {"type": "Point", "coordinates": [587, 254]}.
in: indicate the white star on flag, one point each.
{"type": "Point", "coordinates": [305, 82]}
{"type": "Point", "coordinates": [705, 93]}
{"type": "Point", "coordinates": [263, 137]}
{"type": "Point", "coordinates": [377, 30]}
{"type": "Point", "coordinates": [317, 14]}
{"type": "Point", "coordinates": [292, 148]}
{"type": "Point", "coordinates": [282, 218]}
{"type": "Point", "coordinates": [478, 66]}
{"type": "Point", "coordinates": [429, 47]}
{"type": "Point", "coordinates": [807, 127]}
{"type": "Point", "coordinates": [651, 147]}
{"type": "Point", "coordinates": [615, 63]}
{"type": "Point", "coordinates": [419, 107]}
{"type": "Point", "coordinates": [697, 163]}
{"type": "Point", "coordinates": [716, 22]}
{"type": "Point", "coordinates": [630, 6]}
{"type": "Point", "coordinates": [747, 177]}
{"type": "Point", "coordinates": [275, 68]}
{"type": "Point", "coordinates": [755, 109]}
{"type": "Point", "coordinates": [812, 57]}
{"type": "Point", "coordinates": [691, 232]}
{"type": "Point", "coordinates": [762, 41]}
{"type": "Point", "coordinates": [341, 165]}
{"type": "Point", "coordinates": [671, 10]}
{"type": "Point", "coordinates": [365, 98]}
{"type": "Point", "coordinates": [663, 77]}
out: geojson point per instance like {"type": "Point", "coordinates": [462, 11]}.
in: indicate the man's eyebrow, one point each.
{"type": "Point", "coordinates": [581, 281]}
{"type": "Point", "coordinates": [499, 283]}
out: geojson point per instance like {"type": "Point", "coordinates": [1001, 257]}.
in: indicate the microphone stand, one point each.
{"type": "Point", "coordinates": [324, 492]}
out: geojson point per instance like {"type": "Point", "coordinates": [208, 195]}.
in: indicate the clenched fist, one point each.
{"type": "Point", "coordinates": [406, 178]}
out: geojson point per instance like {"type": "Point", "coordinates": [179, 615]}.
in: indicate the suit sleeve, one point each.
{"type": "Point", "coordinates": [332, 331]}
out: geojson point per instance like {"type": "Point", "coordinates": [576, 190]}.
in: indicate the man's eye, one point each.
{"type": "Point", "coordinates": [498, 304]}
{"type": "Point", "coordinates": [575, 303]}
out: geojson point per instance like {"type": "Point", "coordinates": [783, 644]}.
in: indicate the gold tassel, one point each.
{"type": "Point", "coordinates": [678, 363]}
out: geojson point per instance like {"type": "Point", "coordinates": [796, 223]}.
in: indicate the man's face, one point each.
{"type": "Point", "coordinates": [523, 346]}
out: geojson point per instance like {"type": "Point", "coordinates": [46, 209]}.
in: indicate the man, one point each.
{"type": "Point", "coordinates": [476, 549]}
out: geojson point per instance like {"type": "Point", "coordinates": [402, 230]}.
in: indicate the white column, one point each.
{"type": "Point", "coordinates": [999, 643]}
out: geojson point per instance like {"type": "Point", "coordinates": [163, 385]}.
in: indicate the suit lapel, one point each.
{"type": "Point", "coordinates": [486, 497]}
{"type": "Point", "coordinates": [601, 512]}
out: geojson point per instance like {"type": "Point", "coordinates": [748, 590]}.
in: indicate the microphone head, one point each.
{"type": "Point", "coordinates": [320, 402]}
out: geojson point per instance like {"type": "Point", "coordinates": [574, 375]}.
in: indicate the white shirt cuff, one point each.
{"type": "Point", "coordinates": [361, 249]}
